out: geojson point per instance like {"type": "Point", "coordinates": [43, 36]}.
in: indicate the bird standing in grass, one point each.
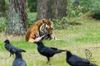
{"type": "Point", "coordinates": [74, 60]}
{"type": "Point", "coordinates": [12, 49]}
{"type": "Point", "coordinates": [46, 51]}
{"type": "Point", "coordinates": [19, 60]}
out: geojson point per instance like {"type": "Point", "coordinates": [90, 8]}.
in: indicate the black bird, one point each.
{"type": "Point", "coordinates": [74, 60]}
{"type": "Point", "coordinates": [19, 61]}
{"type": "Point", "coordinates": [12, 49]}
{"type": "Point", "coordinates": [46, 51]}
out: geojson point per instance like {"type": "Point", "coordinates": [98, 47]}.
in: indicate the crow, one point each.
{"type": "Point", "coordinates": [46, 51]}
{"type": "Point", "coordinates": [12, 49]}
{"type": "Point", "coordinates": [19, 61]}
{"type": "Point", "coordinates": [74, 60]}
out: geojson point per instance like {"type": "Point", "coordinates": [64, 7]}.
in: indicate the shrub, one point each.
{"type": "Point", "coordinates": [31, 18]}
{"type": "Point", "coordinates": [76, 9]}
{"type": "Point", "coordinates": [60, 23]}
{"type": "Point", "coordinates": [96, 9]}
{"type": "Point", "coordinates": [2, 24]}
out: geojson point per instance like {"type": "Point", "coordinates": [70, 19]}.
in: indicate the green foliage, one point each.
{"type": "Point", "coordinates": [96, 5]}
{"type": "Point", "coordinates": [32, 4]}
{"type": "Point", "coordinates": [96, 9]}
{"type": "Point", "coordinates": [31, 18]}
{"type": "Point", "coordinates": [79, 9]}
{"type": "Point", "coordinates": [2, 24]}
{"type": "Point", "coordinates": [60, 23]}
{"type": "Point", "coordinates": [2, 8]}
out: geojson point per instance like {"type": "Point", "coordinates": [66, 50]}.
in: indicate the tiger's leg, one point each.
{"type": "Point", "coordinates": [31, 40]}
{"type": "Point", "coordinates": [33, 37]}
{"type": "Point", "coordinates": [53, 36]}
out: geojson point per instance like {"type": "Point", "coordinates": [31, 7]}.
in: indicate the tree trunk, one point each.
{"type": "Point", "coordinates": [17, 16]}
{"type": "Point", "coordinates": [59, 8]}
{"type": "Point", "coordinates": [51, 8]}
{"type": "Point", "coordinates": [2, 7]}
{"type": "Point", "coordinates": [43, 9]}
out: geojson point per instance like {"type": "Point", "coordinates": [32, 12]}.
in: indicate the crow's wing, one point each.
{"type": "Point", "coordinates": [13, 49]}
{"type": "Point", "coordinates": [57, 50]}
{"type": "Point", "coordinates": [53, 48]}
{"type": "Point", "coordinates": [9, 47]}
{"type": "Point", "coordinates": [46, 51]}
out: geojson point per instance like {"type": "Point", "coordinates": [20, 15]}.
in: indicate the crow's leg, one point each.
{"type": "Point", "coordinates": [10, 54]}
{"type": "Point", "coordinates": [48, 62]}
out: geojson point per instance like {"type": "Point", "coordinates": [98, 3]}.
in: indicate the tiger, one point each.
{"type": "Point", "coordinates": [38, 29]}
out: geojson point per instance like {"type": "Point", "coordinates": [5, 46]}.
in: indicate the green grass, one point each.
{"type": "Point", "coordinates": [75, 38]}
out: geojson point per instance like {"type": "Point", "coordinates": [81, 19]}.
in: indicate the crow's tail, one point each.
{"type": "Point", "coordinates": [63, 50]}
{"type": "Point", "coordinates": [21, 50]}
{"type": "Point", "coordinates": [60, 51]}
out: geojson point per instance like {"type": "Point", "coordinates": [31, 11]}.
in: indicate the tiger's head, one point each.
{"type": "Point", "coordinates": [46, 28]}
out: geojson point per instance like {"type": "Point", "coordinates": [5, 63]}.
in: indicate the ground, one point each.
{"type": "Point", "coordinates": [75, 38]}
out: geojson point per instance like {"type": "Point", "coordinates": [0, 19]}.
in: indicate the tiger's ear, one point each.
{"type": "Point", "coordinates": [43, 20]}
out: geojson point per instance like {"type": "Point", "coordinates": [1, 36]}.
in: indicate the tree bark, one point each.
{"type": "Point", "coordinates": [43, 9]}
{"type": "Point", "coordinates": [59, 8]}
{"type": "Point", "coordinates": [17, 17]}
{"type": "Point", "coordinates": [51, 9]}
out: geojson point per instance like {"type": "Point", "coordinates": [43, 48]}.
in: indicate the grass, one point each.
{"type": "Point", "coordinates": [75, 38]}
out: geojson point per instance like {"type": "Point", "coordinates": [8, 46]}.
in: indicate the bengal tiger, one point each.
{"type": "Point", "coordinates": [39, 28]}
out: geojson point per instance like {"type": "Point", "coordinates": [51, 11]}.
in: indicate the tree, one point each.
{"type": "Point", "coordinates": [2, 7]}
{"type": "Point", "coordinates": [59, 8]}
{"type": "Point", "coordinates": [51, 8]}
{"type": "Point", "coordinates": [43, 9]}
{"type": "Point", "coordinates": [17, 17]}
